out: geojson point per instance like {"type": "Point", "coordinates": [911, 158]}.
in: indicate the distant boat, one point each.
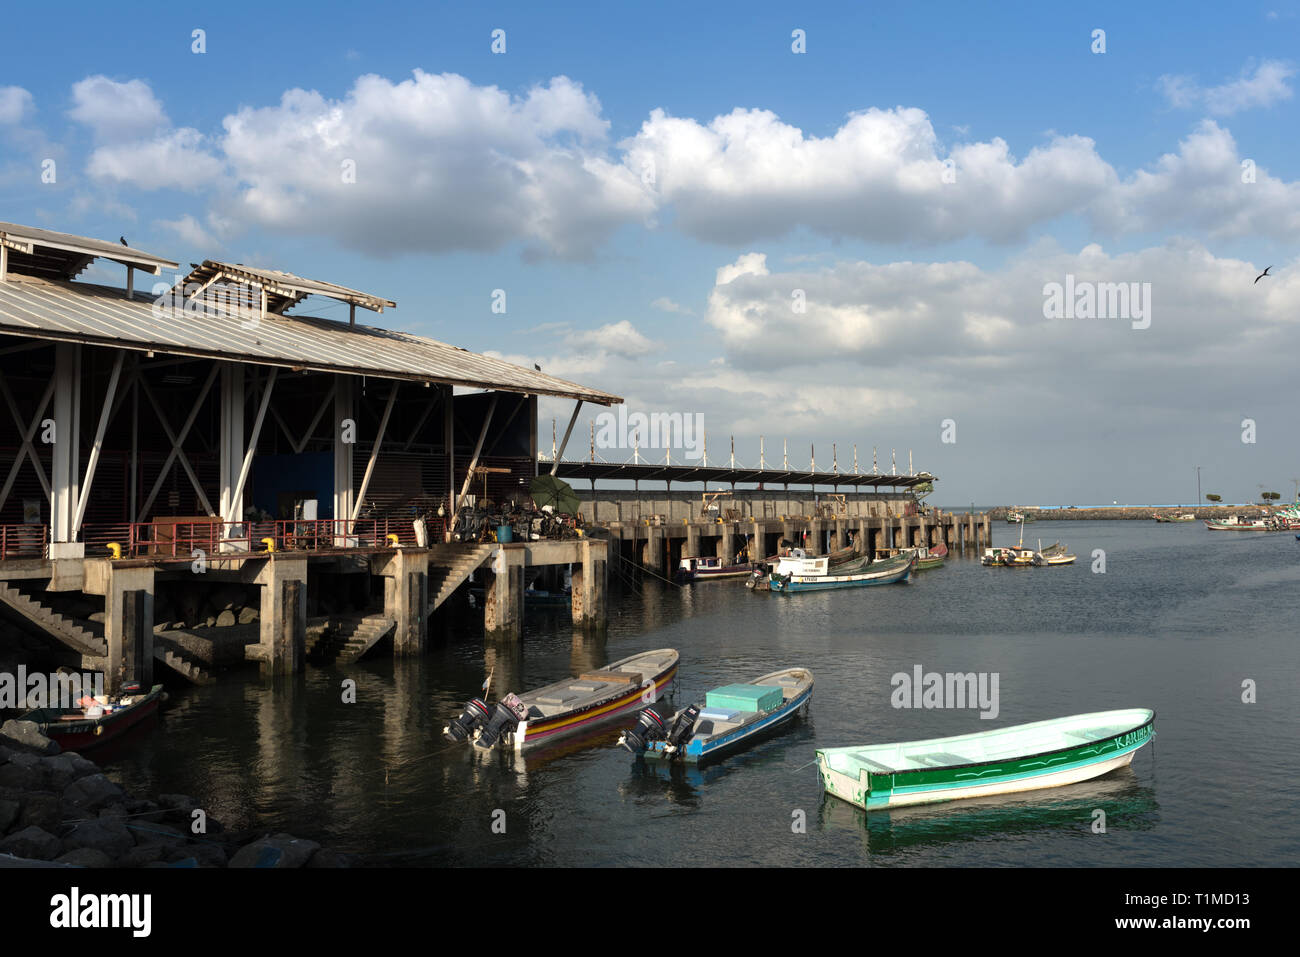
{"type": "Point", "coordinates": [1234, 523]}
{"type": "Point", "coordinates": [1018, 517]}
{"type": "Point", "coordinates": [733, 717]}
{"type": "Point", "coordinates": [1023, 757]}
{"type": "Point", "coordinates": [567, 707]}
{"type": "Point", "coordinates": [1054, 554]}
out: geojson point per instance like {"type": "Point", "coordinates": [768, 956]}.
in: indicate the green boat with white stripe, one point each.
{"type": "Point", "coordinates": [1024, 757]}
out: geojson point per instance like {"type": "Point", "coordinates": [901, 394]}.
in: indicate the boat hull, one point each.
{"type": "Point", "coordinates": [90, 733]}
{"type": "Point", "coordinates": [890, 787]}
{"type": "Point", "coordinates": [827, 582]}
{"type": "Point", "coordinates": [537, 732]}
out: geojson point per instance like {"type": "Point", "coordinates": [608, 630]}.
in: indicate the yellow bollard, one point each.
{"type": "Point", "coordinates": [391, 537]}
{"type": "Point", "coordinates": [114, 549]}
{"type": "Point", "coordinates": [269, 543]}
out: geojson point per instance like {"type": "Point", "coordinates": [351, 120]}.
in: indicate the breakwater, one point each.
{"type": "Point", "coordinates": [1121, 512]}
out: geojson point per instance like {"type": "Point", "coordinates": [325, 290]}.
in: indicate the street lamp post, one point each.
{"type": "Point", "coordinates": [1198, 486]}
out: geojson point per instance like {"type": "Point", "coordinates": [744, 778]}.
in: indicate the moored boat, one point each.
{"type": "Point", "coordinates": [1054, 554]}
{"type": "Point", "coordinates": [852, 575]}
{"type": "Point", "coordinates": [567, 707]}
{"type": "Point", "coordinates": [98, 721]}
{"type": "Point", "coordinates": [732, 717]}
{"type": "Point", "coordinates": [1023, 757]}
{"type": "Point", "coordinates": [704, 569]}
{"type": "Point", "coordinates": [929, 557]}
{"type": "Point", "coordinates": [1008, 556]}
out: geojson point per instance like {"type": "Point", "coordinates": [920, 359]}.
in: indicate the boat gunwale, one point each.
{"type": "Point", "coordinates": [975, 764]}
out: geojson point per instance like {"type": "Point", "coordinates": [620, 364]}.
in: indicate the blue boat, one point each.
{"type": "Point", "coordinates": [733, 717]}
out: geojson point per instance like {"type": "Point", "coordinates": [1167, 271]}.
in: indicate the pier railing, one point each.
{"type": "Point", "coordinates": [181, 540]}
{"type": "Point", "coordinates": [24, 541]}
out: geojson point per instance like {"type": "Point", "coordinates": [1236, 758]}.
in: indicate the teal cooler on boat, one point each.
{"type": "Point", "coordinates": [744, 697]}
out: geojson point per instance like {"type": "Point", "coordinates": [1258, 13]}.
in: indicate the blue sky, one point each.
{"type": "Point", "coordinates": [940, 297]}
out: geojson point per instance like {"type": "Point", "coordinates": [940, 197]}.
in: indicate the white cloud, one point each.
{"type": "Point", "coordinates": [1265, 85]}
{"type": "Point", "coordinates": [616, 338]}
{"type": "Point", "coordinates": [15, 102]}
{"type": "Point", "coordinates": [439, 163]}
{"type": "Point", "coordinates": [189, 230]}
{"type": "Point", "coordinates": [172, 160]}
{"type": "Point", "coordinates": [664, 304]}
{"type": "Point", "coordinates": [117, 112]}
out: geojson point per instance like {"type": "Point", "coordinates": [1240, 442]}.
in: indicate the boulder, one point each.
{"type": "Point", "coordinates": [93, 792]}
{"type": "Point", "coordinates": [9, 811]}
{"type": "Point", "coordinates": [103, 834]}
{"type": "Point", "coordinates": [248, 615]}
{"type": "Point", "coordinates": [33, 843]}
{"type": "Point", "coordinates": [332, 859]}
{"type": "Point", "coordinates": [26, 736]}
{"type": "Point", "coordinates": [43, 809]}
{"type": "Point", "coordinates": [206, 855]}
{"type": "Point", "coordinates": [163, 835]}
{"type": "Point", "coordinates": [282, 851]}
{"type": "Point", "coordinates": [15, 777]}
{"type": "Point", "coordinates": [226, 618]}
{"type": "Point", "coordinates": [141, 855]}
{"type": "Point", "coordinates": [85, 857]}
{"type": "Point", "coordinates": [71, 763]}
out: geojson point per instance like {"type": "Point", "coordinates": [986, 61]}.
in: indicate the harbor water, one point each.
{"type": "Point", "coordinates": [1198, 625]}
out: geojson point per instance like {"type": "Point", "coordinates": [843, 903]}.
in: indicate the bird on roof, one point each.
{"type": "Point", "coordinates": [1262, 275]}
{"type": "Point", "coordinates": [537, 367]}
{"type": "Point", "coordinates": [122, 240]}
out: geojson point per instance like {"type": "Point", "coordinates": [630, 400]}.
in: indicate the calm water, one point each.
{"type": "Point", "coordinates": [1180, 618]}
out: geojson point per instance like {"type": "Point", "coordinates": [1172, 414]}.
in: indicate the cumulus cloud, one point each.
{"type": "Point", "coordinates": [117, 112]}
{"type": "Point", "coordinates": [176, 159]}
{"type": "Point", "coordinates": [665, 304]}
{"type": "Point", "coordinates": [1263, 86]}
{"type": "Point", "coordinates": [439, 164]}
{"type": "Point", "coordinates": [15, 103]}
{"type": "Point", "coordinates": [616, 338]}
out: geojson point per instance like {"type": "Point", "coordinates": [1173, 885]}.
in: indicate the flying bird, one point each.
{"type": "Point", "coordinates": [122, 240]}
{"type": "Point", "coordinates": [1262, 275]}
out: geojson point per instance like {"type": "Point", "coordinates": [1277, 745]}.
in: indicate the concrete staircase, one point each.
{"type": "Point", "coordinates": [345, 640]}
{"type": "Point", "coordinates": [180, 661]}
{"type": "Point", "coordinates": [59, 627]}
{"type": "Point", "coordinates": [449, 566]}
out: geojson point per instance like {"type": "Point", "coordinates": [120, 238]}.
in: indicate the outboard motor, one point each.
{"type": "Point", "coordinates": [475, 713]}
{"type": "Point", "coordinates": [503, 717]}
{"type": "Point", "coordinates": [649, 727]}
{"type": "Point", "coordinates": [680, 733]}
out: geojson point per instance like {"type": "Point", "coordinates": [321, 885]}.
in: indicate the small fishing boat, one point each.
{"type": "Point", "coordinates": [732, 717]}
{"type": "Point", "coordinates": [852, 575]}
{"type": "Point", "coordinates": [1234, 523]}
{"type": "Point", "coordinates": [1054, 554]}
{"type": "Point", "coordinates": [1008, 556]}
{"type": "Point", "coordinates": [1024, 757]}
{"type": "Point", "coordinates": [929, 557]}
{"type": "Point", "coordinates": [566, 707]}
{"type": "Point", "coordinates": [704, 569]}
{"type": "Point", "coordinates": [1018, 516]}
{"type": "Point", "coordinates": [99, 720]}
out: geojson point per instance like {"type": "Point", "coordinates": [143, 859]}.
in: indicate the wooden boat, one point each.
{"type": "Point", "coordinates": [929, 557]}
{"type": "Point", "coordinates": [1018, 517]}
{"type": "Point", "coordinates": [1235, 524]}
{"type": "Point", "coordinates": [1020, 758]}
{"type": "Point", "coordinates": [81, 729]}
{"type": "Point", "coordinates": [852, 575]}
{"type": "Point", "coordinates": [567, 707]}
{"type": "Point", "coordinates": [1054, 554]}
{"type": "Point", "coordinates": [1008, 556]}
{"type": "Point", "coordinates": [732, 717]}
{"type": "Point", "coordinates": [703, 569]}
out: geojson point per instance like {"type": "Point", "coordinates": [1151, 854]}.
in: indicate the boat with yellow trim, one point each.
{"type": "Point", "coordinates": [567, 707]}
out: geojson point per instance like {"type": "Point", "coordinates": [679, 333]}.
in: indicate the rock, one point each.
{"type": "Point", "coordinates": [247, 616]}
{"type": "Point", "coordinates": [141, 855]}
{"type": "Point", "coordinates": [162, 835]}
{"type": "Point", "coordinates": [43, 809]}
{"type": "Point", "coordinates": [33, 843]}
{"type": "Point", "coordinates": [226, 618]}
{"type": "Point", "coordinates": [26, 736]}
{"type": "Point", "coordinates": [207, 855]}
{"type": "Point", "coordinates": [15, 777]}
{"type": "Point", "coordinates": [332, 859]}
{"type": "Point", "coordinates": [107, 835]}
{"type": "Point", "coordinates": [93, 792]}
{"type": "Point", "coordinates": [86, 857]}
{"type": "Point", "coordinates": [72, 763]}
{"type": "Point", "coordinates": [97, 617]}
{"type": "Point", "coordinates": [9, 811]}
{"type": "Point", "coordinates": [146, 812]}
{"type": "Point", "coordinates": [282, 851]}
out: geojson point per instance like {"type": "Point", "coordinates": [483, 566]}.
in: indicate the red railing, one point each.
{"type": "Point", "coordinates": [24, 541]}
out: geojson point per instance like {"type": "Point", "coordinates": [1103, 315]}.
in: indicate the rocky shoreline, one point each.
{"type": "Point", "coordinates": [1130, 512]}
{"type": "Point", "coordinates": [59, 808]}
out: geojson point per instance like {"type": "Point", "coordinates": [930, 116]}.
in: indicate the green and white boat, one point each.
{"type": "Point", "coordinates": [1023, 757]}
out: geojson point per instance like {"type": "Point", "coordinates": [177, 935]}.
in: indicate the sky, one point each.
{"type": "Point", "coordinates": [851, 225]}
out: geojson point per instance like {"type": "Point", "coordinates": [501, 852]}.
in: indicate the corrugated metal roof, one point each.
{"type": "Point", "coordinates": [284, 288]}
{"type": "Point", "coordinates": [25, 240]}
{"type": "Point", "coordinates": [98, 315]}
